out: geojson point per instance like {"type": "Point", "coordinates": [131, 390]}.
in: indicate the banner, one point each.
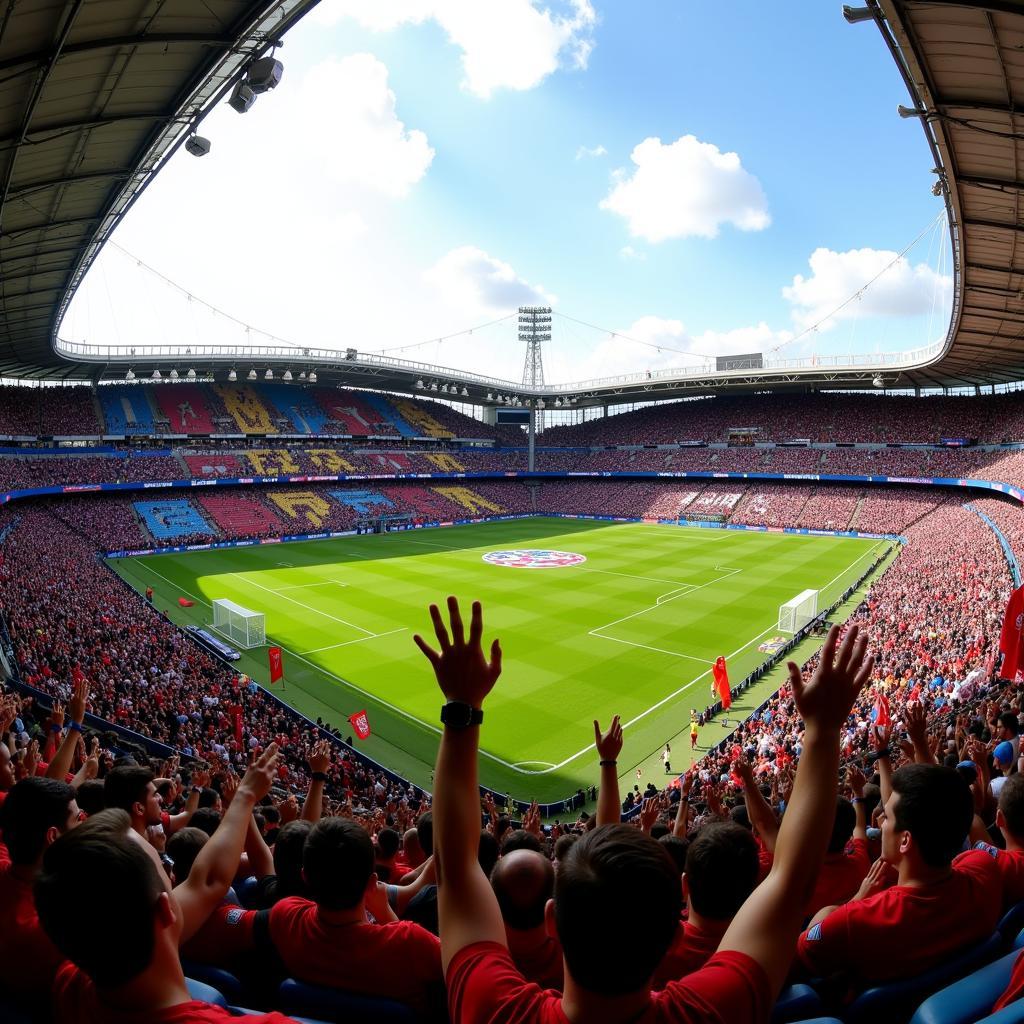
{"type": "Point", "coordinates": [236, 715]}
{"type": "Point", "coordinates": [721, 684]}
{"type": "Point", "coordinates": [361, 724]}
{"type": "Point", "coordinates": [276, 664]}
{"type": "Point", "coordinates": [185, 602]}
{"type": "Point", "coordinates": [1010, 638]}
{"type": "Point", "coordinates": [883, 717]}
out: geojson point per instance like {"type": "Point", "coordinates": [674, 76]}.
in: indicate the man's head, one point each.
{"type": "Point", "coordinates": [927, 817]}
{"type": "Point", "coordinates": [842, 827]}
{"type": "Point", "coordinates": [291, 840]}
{"type": "Point", "coordinates": [519, 839]}
{"type": "Point", "coordinates": [615, 882]}
{"type": "Point", "coordinates": [425, 833]}
{"type": "Point", "coordinates": [1009, 726]}
{"type": "Point", "coordinates": [1002, 756]}
{"type": "Point", "coordinates": [130, 788]}
{"type": "Point", "coordinates": [387, 844]}
{"type": "Point", "coordinates": [206, 819]}
{"type": "Point", "coordinates": [721, 869]}
{"type": "Point", "coordinates": [7, 776]}
{"type": "Point", "coordinates": [523, 881]}
{"type": "Point", "coordinates": [414, 856]}
{"type": "Point", "coordinates": [337, 863]}
{"type": "Point", "coordinates": [183, 848]}
{"type": "Point", "coordinates": [36, 812]}
{"type": "Point", "coordinates": [87, 873]}
{"type": "Point", "coordinates": [1010, 815]}
{"type": "Point", "coordinates": [563, 844]}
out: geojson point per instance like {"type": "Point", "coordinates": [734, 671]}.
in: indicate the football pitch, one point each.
{"type": "Point", "coordinates": [627, 622]}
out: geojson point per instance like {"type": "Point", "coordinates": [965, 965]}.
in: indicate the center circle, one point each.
{"type": "Point", "coordinates": [534, 558]}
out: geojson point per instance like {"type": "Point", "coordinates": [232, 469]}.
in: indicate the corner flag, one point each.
{"type": "Point", "coordinates": [276, 664]}
{"type": "Point", "coordinates": [721, 674]}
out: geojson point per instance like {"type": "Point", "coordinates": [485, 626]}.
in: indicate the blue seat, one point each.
{"type": "Point", "coordinates": [246, 892]}
{"type": "Point", "coordinates": [296, 997]}
{"type": "Point", "coordinates": [821, 1020]}
{"type": "Point", "coordinates": [1018, 943]}
{"type": "Point", "coordinates": [203, 993]}
{"type": "Point", "coordinates": [796, 1003]}
{"type": "Point", "coordinates": [894, 1002]}
{"type": "Point", "coordinates": [1012, 1014]}
{"type": "Point", "coordinates": [216, 977]}
{"type": "Point", "coordinates": [970, 998]}
{"type": "Point", "coordinates": [241, 1011]}
{"type": "Point", "coordinates": [1012, 923]}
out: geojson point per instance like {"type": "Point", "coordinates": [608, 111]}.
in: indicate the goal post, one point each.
{"type": "Point", "coordinates": [241, 625]}
{"type": "Point", "coordinates": [795, 614]}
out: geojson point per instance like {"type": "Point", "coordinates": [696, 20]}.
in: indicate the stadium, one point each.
{"type": "Point", "coordinates": [747, 743]}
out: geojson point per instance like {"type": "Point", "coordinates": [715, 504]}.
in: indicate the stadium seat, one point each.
{"type": "Point", "coordinates": [966, 1000]}
{"type": "Point", "coordinates": [215, 977]}
{"type": "Point", "coordinates": [894, 1002]}
{"type": "Point", "coordinates": [795, 1003]}
{"type": "Point", "coordinates": [295, 997]}
{"type": "Point", "coordinates": [203, 993]}
{"type": "Point", "coordinates": [246, 892]}
{"type": "Point", "coordinates": [1012, 922]}
{"type": "Point", "coordinates": [1013, 1014]}
{"type": "Point", "coordinates": [241, 1011]}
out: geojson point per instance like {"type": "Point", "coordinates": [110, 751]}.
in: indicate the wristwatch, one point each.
{"type": "Point", "coordinates": [457, 714]}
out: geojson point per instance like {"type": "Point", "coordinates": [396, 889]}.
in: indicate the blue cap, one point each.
{"type": "Point", "coordinates": [1003, 752]}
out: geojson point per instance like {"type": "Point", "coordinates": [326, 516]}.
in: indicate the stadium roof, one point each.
{"type": "Point", "coordinates": [97, 96]}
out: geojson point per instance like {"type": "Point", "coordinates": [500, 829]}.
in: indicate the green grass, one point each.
{"type": "Point", "coordinates": [632, 631]}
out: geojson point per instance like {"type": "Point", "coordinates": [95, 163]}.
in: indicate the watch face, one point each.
{"type": "Point", "coordinates": [457, 714]}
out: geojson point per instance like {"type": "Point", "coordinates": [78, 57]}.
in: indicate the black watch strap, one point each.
{"type": "Point", "coordinates": [457, 714]}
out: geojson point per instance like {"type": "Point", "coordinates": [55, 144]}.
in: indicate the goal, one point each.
{"type": "Point", "coordinates": [243, 626]}
{"type": "Point", "coordinates": [795, 614]}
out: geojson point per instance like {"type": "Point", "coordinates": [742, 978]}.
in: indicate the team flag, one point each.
{"type": "Point", "coordinates": [883, 717]}
{"type": "Point", "coordinates": [185, 602]}
{"type": "Point", "coordinates": [276, 664]}
{"type": "Point", "coordinates": [721, 674]}
{"type": "Point", "coordinates": [236, 715]}
{"type": "Point", "coordinates": [1010, 641]}
{"type": "Point", "coordinates": [361, 724]}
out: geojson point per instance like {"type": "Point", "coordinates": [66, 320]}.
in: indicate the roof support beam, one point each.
{"type": "Point", "coordinates": [71, 179]}
{"type": "Point", "coordinates": [1000, 184]}
{"type": "Point", "coordinates": [58, 128]}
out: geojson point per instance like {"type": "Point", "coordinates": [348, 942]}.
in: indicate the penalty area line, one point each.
{"type": "Point", "coordinates": [358, 640]}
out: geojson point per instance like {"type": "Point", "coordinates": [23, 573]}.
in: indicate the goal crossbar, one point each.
{"type": "Point", "coordinates": [243, 626]}
{"type": "Point", "coordinates": [795, 614]}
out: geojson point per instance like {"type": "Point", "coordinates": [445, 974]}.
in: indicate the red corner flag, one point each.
{"type": "Point", "coordinates": [721, 674]}
{"type": "Point", "coordinates": [1010, 641]}
{"type": "Point", "coordinates": [361, 724]}
{"type": "Point", "coordinates": [276, 664]}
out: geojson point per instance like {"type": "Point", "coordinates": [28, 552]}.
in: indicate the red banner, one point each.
{"type": "Point", "coordinates": [276, 664]}
{"type": "Point", "coordinates": [721, 674]}
{"type": "Point", "coordinates": [1010, 642]}
{"type": "Point", "coordinates": [185, 602]}
{"type": "Point", "coordinates": [360, 723]}
{"type": "Point", "coordinates": [236, 715]}
{"type": "Point", "coordinates": [883, 716]}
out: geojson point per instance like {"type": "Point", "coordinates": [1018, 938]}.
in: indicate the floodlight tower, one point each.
{"type": "Point", "coordinates": [534, 329]}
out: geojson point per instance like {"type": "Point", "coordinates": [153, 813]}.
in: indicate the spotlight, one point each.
{"type": "Point", "coordinates": [908, 112]}
{"type": "Point", "coordinates": [156, 375]}
{"type": "Point", "coordinates": [558, 403]}
{"type": "Point", "coordinates": [878, 382]}
{"type": "Point", "coordinates": [174, 374]}
{"type": "Point", "coordinates": [264, 74]}
{"type": "Point", "coordinates": [433, 385]}
{"type": "Point", "coordinates": [540, 403]}
{"type": "Point", "coordinates": [287, 374]}
{"type": "Point", "coordinates": [937, 188]}
{"type": "Point", "coordinates": [312, 376]}
{"type": "Point", "coordinates": [419, 385]}
{"type": "Point", "coordinates": [465, 392]}
{"type": "Point", "coordinates": [251, 375]}
{"type": "Point", "coordinates": [191, 374]}
{"type": "Point", "coordinates": [490, 397]}
{"type": "Point", "coordinates": [855, 15]}
{"type": "Point", "coordinates": [242, 97]}
{"type": "Point", "coordinates": [269, 375]}
{"type": "Point", "coordinates": [302, 376]}
{"type": "Point", "coordinates": [130, 375]}
{"type": "Point", "coordinates": [444, 388]}
{"type": "Point", "coordinates": [232, 375]}
{"type": "Point", "coordinates": [197, 145]}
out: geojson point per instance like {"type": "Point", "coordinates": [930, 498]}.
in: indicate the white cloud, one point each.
{"type": "Point", "coordinates": [594, 151]}
{"type": "Point", "coordinates": [349, 115]}
{"type": "Point", "coordinates": [505, 44]}
{"type": "Point", "coordinates": [627, 252]}
{"type": "Point", "coordinates": [470, 279]}
{"type": "Point", "coordinates": [686, 188]}
{"type": "Point", "coordinates": [904, 289]}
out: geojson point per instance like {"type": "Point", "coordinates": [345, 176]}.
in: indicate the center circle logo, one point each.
{"type": "Point", "coordinates": [534, 558]}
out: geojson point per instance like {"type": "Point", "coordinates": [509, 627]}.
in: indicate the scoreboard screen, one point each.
{"type": "Point", "coordinates": [519, 417]}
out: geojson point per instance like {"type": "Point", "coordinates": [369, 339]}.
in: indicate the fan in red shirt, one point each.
{"type": "Point", "coordinates": [935, 909]}
{"type": "Point", "coordinates": [1010, 822]}
{"type": "Point", "coordinates": [617, 899]}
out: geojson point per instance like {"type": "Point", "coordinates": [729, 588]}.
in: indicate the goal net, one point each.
{"type": "Point", "coordinates": [795, 614]}
{"type": "Point", "coordinates": [243, 626]}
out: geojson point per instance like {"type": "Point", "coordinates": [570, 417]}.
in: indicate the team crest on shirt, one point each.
{"type": "Point", "coordinates": [814, 933]}
{"type": "Point", "coordinates": [534, 558]}
{"type": "Point", "coordinates": [234, 915]}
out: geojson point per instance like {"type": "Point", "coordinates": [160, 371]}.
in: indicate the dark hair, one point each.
{"type": "Point", "coordinates": [387, 842]}
{"type": "Point", "coordinates": [206, 819]}
{"type": "Point", "coordinates": [617, 906]}
{"type": "Point", "coordinates": [425, 833]}
{"type": "Point", "coordinates": [337, 862]}
{"type": "Point", "coordinates": [208, 797]}
{"type": "Point", "coordinates": [126, 785]}
{"type": "Point", "coordinates": [843, 826]}
{"type": "Point", "coordinates": [676, 848]}
{"type": "Point", "coordinates": [1011, 803]}
{"type": "Point", "coordinates": [91, 796]}
{"type": "Point", "coordinates": [936, 808]}
{"type": "Point", "coordinates": [721, 869]}
{"type": "Point", "coordinates": [183, 848]}
{"type": "Point", "coordinates": [1010, 722]}
{"type": "Point", "coordinates": [291, 838]}
{"type": "Point", "coordinates": [519, 839]}
{"type": "Point", "coordinates": [659, 830]}
{"type": "Point", "coordinates": [563, 844]}
{"type": "Point", "coordinates": [487, 852]}
{"type": "Point", "coordinates": [85, 873]}
{"type": "Point", "coordinates": [523, 881]}
{"type": "Point", "coordinates": [32, 808]}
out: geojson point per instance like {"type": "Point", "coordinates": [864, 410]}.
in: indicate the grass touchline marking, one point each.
{"type": "Point", "coordinates": [309, 608]}
{"type": "Point", "coordinates": [630, 576]}
{"type": "Point", "coordinates": [647, 647]}
{"type": "Point", "coordinates": [359, 640]}
{"type": "Point", "coordinates": [302, 586]}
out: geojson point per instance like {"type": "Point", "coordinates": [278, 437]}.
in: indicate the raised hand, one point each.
{"type": "Point", "coordinates": [856, 781]}
{"type": "Point", "coordinates": [825, 701]}
{"type": "Point", "coordinates": [79, 701]}
{"type": "Point", "coordinates": [32, 758]}
{"type": "Point", "coordinates": [609, 744]}
{"type": "Point", "coordinates": [228, 788]}
{"type": "Point", "coordinates": [462, 670]}
{"type": "Point", "coordinates": [320, 758]}
{"type": "Point", "coordinates": [57, 715]}
{"type": "Point", "coordinates": [649, 813]}
{"type": "Point", "coordinates": [878, 878]}
{"type": "Point", "coordinates": [917, 725]}
{"type": "Point", "coordinates": [260, 776]}
{"type": "Point", "coordinates": [288, 809]}
{"type": "Point", "coordinates": [201, 778]}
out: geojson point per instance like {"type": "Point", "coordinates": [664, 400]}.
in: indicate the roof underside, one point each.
{"type": "Point", "coordinates": [96, 94]}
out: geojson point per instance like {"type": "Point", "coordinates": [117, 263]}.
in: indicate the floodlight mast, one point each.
{"type": "Point", "coordinates": [534, 329]}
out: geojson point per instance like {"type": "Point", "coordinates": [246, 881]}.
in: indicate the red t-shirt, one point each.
{"type": "Point", "coordinates": [539, 959]}
{"type": "Point", "coordinates": [1011, 869]}
{"type": "Point", "coordinates": [691, 949]}
{"type": "Point", "coordinates": [400, 961]}
{"type": "Point", "coordinates": [484, 986]}
{"type": "Point", "coordinates": [840, 877]}
{"type": "Point", "coordinates": [905, 930]}
{"type": "Point", "coordinates": [28, 959]}
{"type": "Point", "coordinates": [1015, 990]}
{"type": "Point", "coordinates": [225, 934]}
{"type": "Point", "coordinates": [75, 1002]}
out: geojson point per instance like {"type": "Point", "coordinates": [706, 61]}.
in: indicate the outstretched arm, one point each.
{"type": "Point", "coordinates": [467, 907]}
{"type": "Point", "coordinates": [60, 763]}
{"type": "Point", "coordinates": [767, 925]}
{"type": "Point", "coordinates": [762, 817]}
{"type": "Point", "coordinates": [319, 762]}
{"type": "Point", "coordinates": [609, 744]}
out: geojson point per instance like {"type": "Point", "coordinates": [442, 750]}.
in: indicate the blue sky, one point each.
{"type": "Point", "coordinates": [426, 166]}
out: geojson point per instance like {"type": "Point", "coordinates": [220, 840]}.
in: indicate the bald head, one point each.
{"type": "Point", "coordinates": [523, 881]}
{"type": "Point", "coordinates": [412, 849]}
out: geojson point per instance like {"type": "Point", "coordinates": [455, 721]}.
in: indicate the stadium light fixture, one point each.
{"type": "Point", "coordinates": [197, 145]}
{"type": "Point", "coordinates": [879, 382]}
{"type": "Point", "coordinates": [540, 403]}
{"type": "Point", "coordinates": [287, 375]}
{"type": "Point", "coordinates": [232, 374]}
{"type": "Point", "coordinates": [855, 15]}
{"type": "Point", "coordinates": [264, 74]}
{"type": "Point", "coordinates": [419, 385]}
{"type": "Point", "coordinates": [444, 388]}
{"type": "Point", "coordinates": [155, 375]}
{"type": "Point", "coordinates": [558, 403]}
{"type": "Point", "coordinates": [312, 376]}
{"type": "Point", "coordinates": [242, 97]}
{"type": "Point", "coordinates": [490, 397]}
{"type": "Point", "coordinates": [302, 376]}
{"type": "Point", "coordinates": [174, 374]}
{"type": "Point", "coordinates": [269, 375]}
{"type": "Point", "coordinates": [433, 385]}
{"type": "Point", "coordinates": [908, 112]}
{"type": "Point", "coordinates": [465, 392]}
{"type": "Point", "coordinates": [251, 375]}
{"type": "Point", "coordinates": [191, 374]}
{"type": "Point", "coordinates": [937, 188]}
{"type": "Point", "coordinates": [130, 375]}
